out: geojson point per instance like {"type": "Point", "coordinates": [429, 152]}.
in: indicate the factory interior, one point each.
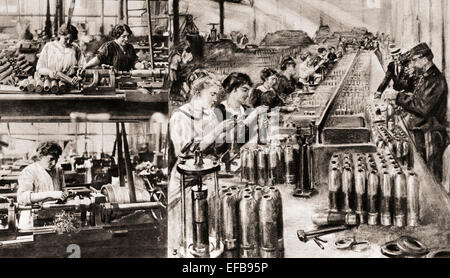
{"type": "Point", "coordinates": [224, 128]}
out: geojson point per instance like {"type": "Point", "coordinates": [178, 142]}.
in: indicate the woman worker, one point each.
{"type": "Point", "coordinates": [118, 52]}
{"type": "Point", "coordinates": [197, 121]}
{"type": "Point", "coordinates": [42, 180]}
{"type": "Point", "coordinates": [61, 55]}
{"type": "Point", "coordinates": [265, 93]}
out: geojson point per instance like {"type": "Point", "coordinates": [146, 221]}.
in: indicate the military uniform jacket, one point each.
{"type": "Point", "coordinates": [428, 105]}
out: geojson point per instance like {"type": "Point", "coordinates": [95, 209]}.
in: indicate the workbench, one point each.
{"type": "Point", "coordinates": [123, 105]}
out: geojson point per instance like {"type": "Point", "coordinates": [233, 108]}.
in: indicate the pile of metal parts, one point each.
{"type": "Point", "coordinates": [252, 222]}
{"type": "Point", "coordinates": [373, 186]}
{"type": "Point", "coordinates": [404, 247]}
{"type": "Point", "coordinates": [396, 142]}
{"type": "Point", "coordinates": [104, 81]}
{"type": "Point", "coordinates": [46, 85]}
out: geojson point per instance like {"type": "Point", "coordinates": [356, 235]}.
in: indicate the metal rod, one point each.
{"type": "Point", "coordinates": [130, 179]}
{"type": "Point", "coordinates": [150, 32]}
{"type": "Point", "coordinates": [120, 156]}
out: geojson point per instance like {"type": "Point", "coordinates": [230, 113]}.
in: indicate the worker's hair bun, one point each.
{"type": "Point", "coordinates": [200, 79]}
{"type": "Point", "coordinates": [48, 148]}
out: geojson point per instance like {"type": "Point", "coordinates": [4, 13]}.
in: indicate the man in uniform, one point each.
{"type": "Point", "coordinates": [426, 108]}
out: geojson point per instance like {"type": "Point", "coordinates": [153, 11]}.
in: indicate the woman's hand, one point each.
{"type": "Point", "coordinates": [216, 135]}
{"type": "Point", "coordinates": [58, 195]}
{"type": "Point", "coordinates": [254, 114]}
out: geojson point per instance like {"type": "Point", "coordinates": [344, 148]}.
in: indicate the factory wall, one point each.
{"type": "Point", "coordinates": [86, 12]}
{"type": "Point", "coordinates": [306, 15]}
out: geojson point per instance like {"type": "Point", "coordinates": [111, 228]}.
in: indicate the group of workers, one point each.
{"type": "Point", "coordinates": [63, 55]}
{"type": "Point", "coordinates": [206, 119]}
{"type": "Point", "coordinates": [421, 90]}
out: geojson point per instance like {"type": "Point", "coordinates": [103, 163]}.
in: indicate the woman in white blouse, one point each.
{"type": "Point", "coordinates": [61, 55]}
{"type": "Point", "coordinates": [197, 121]}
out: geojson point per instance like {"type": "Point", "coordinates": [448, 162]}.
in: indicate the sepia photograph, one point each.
{"type": "Point", "coordinates": [224, 129]}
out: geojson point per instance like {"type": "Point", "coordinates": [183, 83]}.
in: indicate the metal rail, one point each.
{"type": "Point", "coordinates": [327, 110]}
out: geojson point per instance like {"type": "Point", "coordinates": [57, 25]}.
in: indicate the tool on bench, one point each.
{"type": "Point", "coordinates": [305, 236]}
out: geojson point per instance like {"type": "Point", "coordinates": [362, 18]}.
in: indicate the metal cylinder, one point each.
{"type": "Point", "coordinates": [273, 167]}
{"type": "Point", "coordinates": [400, 200]}
{"type": "Point", "coordinates": [39, 86]}
{"type": "Point", "coordinates": [335, 219]}
{"type": "Point", "coordinates": [347, 182]}
{"type": "Point", "coordinates": [244, 165]}
{"type": "Point", "coordinates": [262, 128]}
{"type": "Point", "coordinates": [230, 225]}
{"type": "Point", "coordinates": [62, 86]}
{"type": "Point", "coordinates": [289, 156]}
{"type": "Point", "coordinates": [47, 85]}
{"type": "Point", "coordinates": [54, 87]}
{"type": "Point", "coordinates": [413, 204]}
{"type": "Point", "coordinates": [334, 186]}
{"type": "Point", "coordinates": [119, 195]}
{"type": "Point", "coordinates": [23, 84]}
{"type": "Point", "coordinates": [385, 204]}
{"type": "Point", "coordinates": [248, 228]}
{"type": "Point", "coordinates": [360, 190]}
{"type": "Point", "coordinates": [372, 198]}
{"type": "Point", "coordinates": [251, 165]}
{"type": "Point", "coordinates": [31, 85]}
{"type": "Point", "coordinates": [200, 221]}
{"type": "Point", "coordinates": [268, 234]}
{"type": "Point", "coordinates": [276, 195]}
{"type": "Point", "coordinates": [281, 165]}
{"type": "Point", "coordinates": [262, 167]}
{"type": "Point", "coordinates": [258, 193]}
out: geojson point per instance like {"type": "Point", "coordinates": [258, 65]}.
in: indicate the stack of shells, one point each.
{"type": "Point", "coordinates": [352, 99]}
{"type": "Point", "coordinates": [7, 75]}
{"type": "Point", "coordinates": [251, 222]}
{"type": "Point", "coordinates": [43, 85]}
{"type": "Point", "coordinates": [394, 142]}
{"type": "Point", "coordinates": [374, 187]}
{"type": "Point", "coordinates": [270, 165]}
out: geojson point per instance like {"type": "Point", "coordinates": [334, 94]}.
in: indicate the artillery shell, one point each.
{"type": "Point", "coordinates": [273, 167]}
{"type": "Point", "coordinates": [372, 198]}
{"type": "Point", "coordinates": [400, 200]}
{"type": "Point", "coordinates": [276, 195]}
{"type": "Point", "coordinates": [54, 87]}
{"type": "Point", "coordinates": [268, 227]}
{"type": "Point", "coordinates": [385, 204]}
{"type": "Point", "coordinates": [252, 176]}
{"type": "Point", "coordinates": [413, 200]}
{"type": "Point", "coordinates": [47, 85]}
{"type": "Point", "coordinates": [230, 226]}
{"type": "Point", "coordinates": [334, 186]}
{"type": "Point", "coordinates": [39, 86]}
{"type": "Point", "coordinates": [262, 167]}
{"type": "Point", "coordinates": [289, 157]}
{"type": "Point", "coordinates": [360, 189]}
{"type": "Point", "coordinates": [248, 220]}
{"type": "Point", "coordinates": [347, 182]}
